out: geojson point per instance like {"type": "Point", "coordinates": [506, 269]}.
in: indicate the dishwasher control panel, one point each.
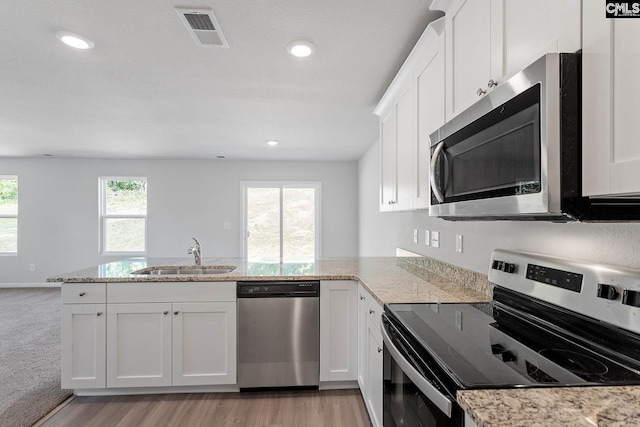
{"type": "Point", "coordinates": [272, 289]}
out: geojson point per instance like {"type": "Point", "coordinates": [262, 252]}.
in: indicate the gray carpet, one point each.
{"type": "Point", "coordinates": [29, 355]}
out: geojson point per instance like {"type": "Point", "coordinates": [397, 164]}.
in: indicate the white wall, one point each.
{"type": "Point", "coordinates": [381, 233]}
{"type": "Point", "coordinates": [58, 208]}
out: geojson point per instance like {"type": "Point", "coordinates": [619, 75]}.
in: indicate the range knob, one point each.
{"type": "Point", "coordinates": [607, 292]}
{"type": "Point", "coordinates": [631, 298]}
{"type": "Point", "coordinates": [507, 267]}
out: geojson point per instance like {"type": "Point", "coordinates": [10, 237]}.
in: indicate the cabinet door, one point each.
{"type": "Point", "coordinates": [375, 390]}
{"type": "Point", "coordinates": [83, 336]}
{"type": "Point", "coordinates": [204, 343]}
{"type": "Point", "coordinates": [611, 101]}
{"type": "Point", "coordinates": [362, 341]}
{"type": "Point", "coordinates": [468, 52]}
{"type": "Point", "coordinates": [524, 31]}
{"type": "Point", "coordinates": [338, 330]}
{"type": "Point", "coordinates": [430, 113]}
{"type": "Point", "coordinates": [388, 161]}
{"type": "Point", "coordinates": [139, 345]}
{"type": "Point", "coordinates": [405, 148]}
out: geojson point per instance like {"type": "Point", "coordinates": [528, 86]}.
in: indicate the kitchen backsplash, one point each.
{"type": "Point", "coordinates": [422, 266]}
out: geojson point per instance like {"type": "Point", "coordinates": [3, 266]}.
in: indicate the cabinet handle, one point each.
{"type": "Point", "coordinates": [492, 83]}
{"type": "Point", "coordinates": [379, 350]}
{"type": "Point", "coordinates": [82, 294]}
{"type": "Point", "coordinates": [361, 298]}
{"type": "Point", "coordinates": [99, 313]}
{"type": "Point", "coordinates": [166, 312]}
{"type": "Point", "coordinates": [481, 91]}
{"type": "Point", "coordinates": [176, 312]}
{"type": "Point", "coordinates": [371, 311]}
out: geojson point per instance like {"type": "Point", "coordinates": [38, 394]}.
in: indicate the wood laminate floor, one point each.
{"type": "Point", "coordinates": [334, 408]}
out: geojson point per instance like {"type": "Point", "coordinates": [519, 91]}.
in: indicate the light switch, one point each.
{"type": "Point", "coordinates": [415, 236]}
{"type": "Point", "coordinates": [459, 243]}
{"type": "Point", "coordinates": [435, 239]}
{"type": "Point", "coordinates": [427, 238]}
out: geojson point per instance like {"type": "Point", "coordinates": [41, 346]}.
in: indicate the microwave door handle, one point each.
{"type": "Point", "coordinates": [432, 172]}
{"type": "Point", "coordinates": [438, 399]}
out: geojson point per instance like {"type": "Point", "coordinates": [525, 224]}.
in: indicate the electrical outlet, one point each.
{"type": "Point", "coordinates": [226, 225]}
{"type": "Point", "coordinates": [415, 236]}
{"type": "Point", "coordinates": [32, 267]}
{"type": "Point", "coordinates": [427, 239]}
{"type": "Point", "coordinates": [435, 239]}
{"type": "Point", "coordinates": [459, 243]}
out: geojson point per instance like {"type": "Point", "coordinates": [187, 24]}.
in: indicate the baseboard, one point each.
{"type": "Point", "coordinates": [338, 385]}
{"type": "Point", "coordinates": [156, 390]}
{"type": "Point", "coordinates": [31, 285]}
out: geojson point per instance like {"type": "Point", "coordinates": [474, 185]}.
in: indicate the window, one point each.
{"type": "Point", "coordinates": [8, 215]}
{"type": "Point", "coordinates": [123, 213]}
{"type": "Point", "coordinates": [281, 221]}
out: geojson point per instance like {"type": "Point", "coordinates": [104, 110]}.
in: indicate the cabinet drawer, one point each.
{"type": "Point", "coordinates": [80, 293]}
{"type": "Point", "coordinates": [171, 292]}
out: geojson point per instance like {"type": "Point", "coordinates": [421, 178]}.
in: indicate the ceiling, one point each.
{"type": "Point", "coordinates": [147, 91]}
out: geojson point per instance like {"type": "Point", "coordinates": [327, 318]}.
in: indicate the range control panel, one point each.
{"type": "Point", "coordinates": [553, 277]}
{"type": "Point", "coordinates": [608, 293]}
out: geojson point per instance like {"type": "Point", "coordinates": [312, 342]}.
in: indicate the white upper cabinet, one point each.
{"type": "Point", "coordinates": [412, 107]}
{"type": "Point", "coordinates": [532, 28]}
{"type": "Point", "coordinates": [388, 161]}
{"type": "Point", "coordinates": [468, 53]}
{"type": "Point", "coordinates": [610, 104]}
{"type": "Point", "coordinates": [429, 84]}
{"type": "Point", "coordinates": [397, 142]}
{"type": "Point", "coordinates": [488, 41]}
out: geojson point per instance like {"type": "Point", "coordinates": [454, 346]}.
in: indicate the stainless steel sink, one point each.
{"type": "Point", "coordinates": [186, 270]}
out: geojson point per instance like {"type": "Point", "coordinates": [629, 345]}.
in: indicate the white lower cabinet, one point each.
{"type": "Point", "coordinates": [370, 354]}
{"type": "Point", "coordinates": [139, 345]}
{"type": "Point", "coordinates": [83, 345]}
{"type": "Point", "coordinates": [148, 335]}
{"type": "Point", "coordinates": [338, 330]}
{"type": "Point", "coordinates": [197, 361]}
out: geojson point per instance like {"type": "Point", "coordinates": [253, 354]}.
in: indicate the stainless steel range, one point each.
{"type": "Point", "coordinates": [552, 322]}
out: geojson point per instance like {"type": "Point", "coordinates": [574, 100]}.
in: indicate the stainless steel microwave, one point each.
{"type": "Point", "coordinates": [516, 153]}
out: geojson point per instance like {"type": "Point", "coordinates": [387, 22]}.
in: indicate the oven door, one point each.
{"type": "Point", "coordinates": [411, 397]}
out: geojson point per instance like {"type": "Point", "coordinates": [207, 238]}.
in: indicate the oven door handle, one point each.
{"type": "Point", "coordinates": [432, 172]}
{"type": "Point", "coordinates": [441, 401]}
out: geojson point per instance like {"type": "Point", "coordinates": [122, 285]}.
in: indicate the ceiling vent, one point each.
{"type": "Point", "coordinates": [203, 27]}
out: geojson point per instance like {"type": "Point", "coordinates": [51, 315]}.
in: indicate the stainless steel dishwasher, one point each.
{"type": "Point", "coordinates": [278, 334]}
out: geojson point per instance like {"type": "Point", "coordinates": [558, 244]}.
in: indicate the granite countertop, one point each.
{"type": "Point", "coordinates": [553, 407]}
{"type": "Point", "coordinates": [382, 276]}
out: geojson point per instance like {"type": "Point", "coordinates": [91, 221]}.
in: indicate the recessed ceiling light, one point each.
{"type": "Point", "coordinates": [301, 48]}
{"type": "Point", "coordinates": [74, 40]}
{"type": "Point", "coordinates": [273, 142]}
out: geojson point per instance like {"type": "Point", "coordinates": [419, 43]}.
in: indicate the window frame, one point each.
{"type": "Point", "coordinates": [316, 185]}
{"type": "Point", "coordinates": [9, 216]}
{"type": "Point", "coordinates": [103, 216]}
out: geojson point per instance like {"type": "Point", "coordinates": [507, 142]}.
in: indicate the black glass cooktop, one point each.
{"type": "Point", "coordinates": [487, 345]}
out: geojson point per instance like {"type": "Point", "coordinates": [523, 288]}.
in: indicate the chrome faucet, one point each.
{"type": "Point", "coordinates": [196, 251]}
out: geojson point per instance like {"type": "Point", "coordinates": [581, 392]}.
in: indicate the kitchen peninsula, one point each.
{"type": "Point", "coordinates": [376, 281]}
